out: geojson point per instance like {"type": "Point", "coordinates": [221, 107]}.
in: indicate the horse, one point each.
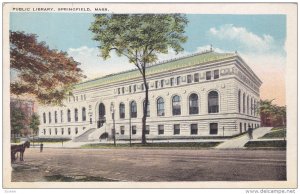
{"type": "Point", "coordinates": [19, 148]}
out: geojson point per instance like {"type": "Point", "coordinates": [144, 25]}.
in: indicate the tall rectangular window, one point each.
{"type": "Point", "coordinates": [172, 81]}
{"type": "Point", "coordinates": [61, 116]}
{"type": "Point", "coordinates": [160, 129]}
{"type": "Point", "coordinates": [49, 117]}
{"type": "Point", "coordinates": [176, 129]}
{"type": "Point", "coordinates": [55, 116]}
{"type": "Point", "coordinates": [156, 84]}
{"type": "Point", "coordinates": [216, 74]}
{"type": "Point", "coordinates": [178, 80]}
{"type": "Point", "coordinates": [129, 89]}
{"type": "Point", "coordinates": [208, 75]}
{"type": "Point", "coordinates": [123, 90]}
{"type": "Point", "coordinates": [196, 77]}
{"type": "Point", "coordinates": [162, 83]}
{"type": "Point", "coordinates": [119, 91]}
{"type": "Point", "coordinates": [213, 128]}
{"type": "Point", "coordinates": [142, 86]}
{"type": "Point", "coordinates": [189, 79]}
{"type": "Point", "coordinates": [194, 129]}
{"type": "Point", "coordinates": [133, 130]}
{"type": "Point", "coordinates": [134, 88]}
{"type": "Point", "coordinates": [147, 132]}
{"type": "Point", "coordinates": [122, 130]}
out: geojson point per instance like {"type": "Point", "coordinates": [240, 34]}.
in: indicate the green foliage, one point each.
{"type": "Point", "coordinates": [34, 122]}
{"type": "Point", "coordinates": [269, 110]}
{"type": "Point", "coordinates": [17, 119]}
{"type": "Point", "coordinates": [139, 37]}
{"type": "Point", "coordinates": [48, 75]}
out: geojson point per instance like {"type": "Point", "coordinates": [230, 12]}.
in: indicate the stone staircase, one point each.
{"type": "Point", "coordinates": [95, 135]}
{"type": "Point", "coordinates": [85, 136]}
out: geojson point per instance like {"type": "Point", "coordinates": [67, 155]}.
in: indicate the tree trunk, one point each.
{"type": "Point", "coordinates": [144, 112]}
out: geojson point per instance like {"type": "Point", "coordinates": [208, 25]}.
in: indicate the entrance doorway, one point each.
{"type": "Point", "coordinates": [101, 119]}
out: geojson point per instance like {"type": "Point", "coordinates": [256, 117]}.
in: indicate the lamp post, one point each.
{"type": "Point", "coordinates": [112, 110]}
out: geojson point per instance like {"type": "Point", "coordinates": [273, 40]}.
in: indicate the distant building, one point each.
{"type": "Point", "coordinates": [205, 94]}
{"type": "Point", "coordinates": [28, 108]}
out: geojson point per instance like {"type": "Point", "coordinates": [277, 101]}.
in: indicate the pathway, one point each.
{"type": "Point", "coordinates": [239, 142]}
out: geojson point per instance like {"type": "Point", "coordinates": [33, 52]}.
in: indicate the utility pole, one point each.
{"type": "Point", "coordinates": [130, 128]}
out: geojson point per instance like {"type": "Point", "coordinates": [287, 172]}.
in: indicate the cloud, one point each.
{"type": "Point", "coordinates": [95, 66]}
{"type": "Point", "coordinates": [248, 40]}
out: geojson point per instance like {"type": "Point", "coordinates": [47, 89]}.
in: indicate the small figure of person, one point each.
{"type": "Point", "coordinates": [250, 132]}
{"type": "Point", "coordinates": [41, 147]}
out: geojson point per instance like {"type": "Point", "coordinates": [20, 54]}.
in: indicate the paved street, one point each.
{"type": "Point", "coordinates": [152, 164]}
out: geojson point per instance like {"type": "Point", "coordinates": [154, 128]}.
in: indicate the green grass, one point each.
{"type": "Point", "coordinates": [50, 140]}
{"type": "Point", "coordinates": [155, 145]}
{"type": "Point", "coordinates": [275, 134]}
{"type": "Point", "coordinates": [273, 144]}
{"type": "Point", "coordinates": [278, 128]}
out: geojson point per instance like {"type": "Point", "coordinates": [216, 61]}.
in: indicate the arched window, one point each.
{"type": "Point", "coordinates": [44, 117]}
{"type": "Point", "coordinates": [49, 131]}
{"type": "Point", "coordinates": [247, 104]}
{"type": "Point", "coordinates": [122, 110]}
{"type": "Point", "coordinates": [193, 104]}
{"type": "Point", "coordinates": [133, 109]}
{"type": "Point", "coordinates": [76, 130]}
{"type": "Point", "coordinates": [76, 114]}
{"type": "Point", "coordinates": [55, 116]}
{"type": "Point", "coordinates": [83, 114]}
{"type": "Point", "coordinates": [55, 131]}
{"type": "Point", "coordinates": [148, 107]}
{"type": "Point", "coordinates": [244, 103]}
{"type": "Point", "coordinates": [44, 130]}
{"type": "Point", "coordinates": [239, 101]}
{"type": "Point", "coordinates": [62, 131]}
{"type": "Point", "coordinates": [69, 131]}
{"type": "Point", "coordinates": [213, 102]}
{"type": "Point", "coordinates": [160, 107]}
{"type": "Point", "coordinates": [69, 115]}
{"type": "Point", "coordinates": [176, 108]}
{"type": "Point", "coordinates": [49, 117]}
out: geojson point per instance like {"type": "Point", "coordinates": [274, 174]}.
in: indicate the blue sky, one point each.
{"type": "Point", "coordinates": [259, 39]}
{"type": "Point", "coordinates": [70, 30]}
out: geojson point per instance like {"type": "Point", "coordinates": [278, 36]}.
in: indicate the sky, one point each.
{"type": "Point", "coordinates": [259, 40]}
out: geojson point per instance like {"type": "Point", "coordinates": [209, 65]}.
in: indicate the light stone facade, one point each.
{"type": "Point", "coordinates": [231, 79]}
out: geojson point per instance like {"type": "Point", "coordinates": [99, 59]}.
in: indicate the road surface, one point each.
{"type": "Point", "coordinates": [124, 164]}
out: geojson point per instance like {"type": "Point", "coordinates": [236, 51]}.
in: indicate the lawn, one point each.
{"type": "Point", "coordinates": [274, 134]}
{"type": "Point", "coordinates": [264, 144]}
{"type": "Point", "coordinates": [157, 145]}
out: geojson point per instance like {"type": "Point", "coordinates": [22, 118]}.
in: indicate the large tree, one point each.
{"type": "Point", "coordinates": [34, 124]}
{"type": "Point", "coordinates": [17, 120]}
{"type": "Point", "coordinates": [139, 37]}
{"type": "Point", "coordinates": [44, 73]}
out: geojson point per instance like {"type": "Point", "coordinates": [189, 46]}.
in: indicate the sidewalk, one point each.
{"type": "Point", "coordinates": [71, 144]}
{"type": "Point", "coordinates": [239, 142]}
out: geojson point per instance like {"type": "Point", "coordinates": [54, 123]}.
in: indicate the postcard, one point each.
{"type": "Point", "coordinates": [150, 95]}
